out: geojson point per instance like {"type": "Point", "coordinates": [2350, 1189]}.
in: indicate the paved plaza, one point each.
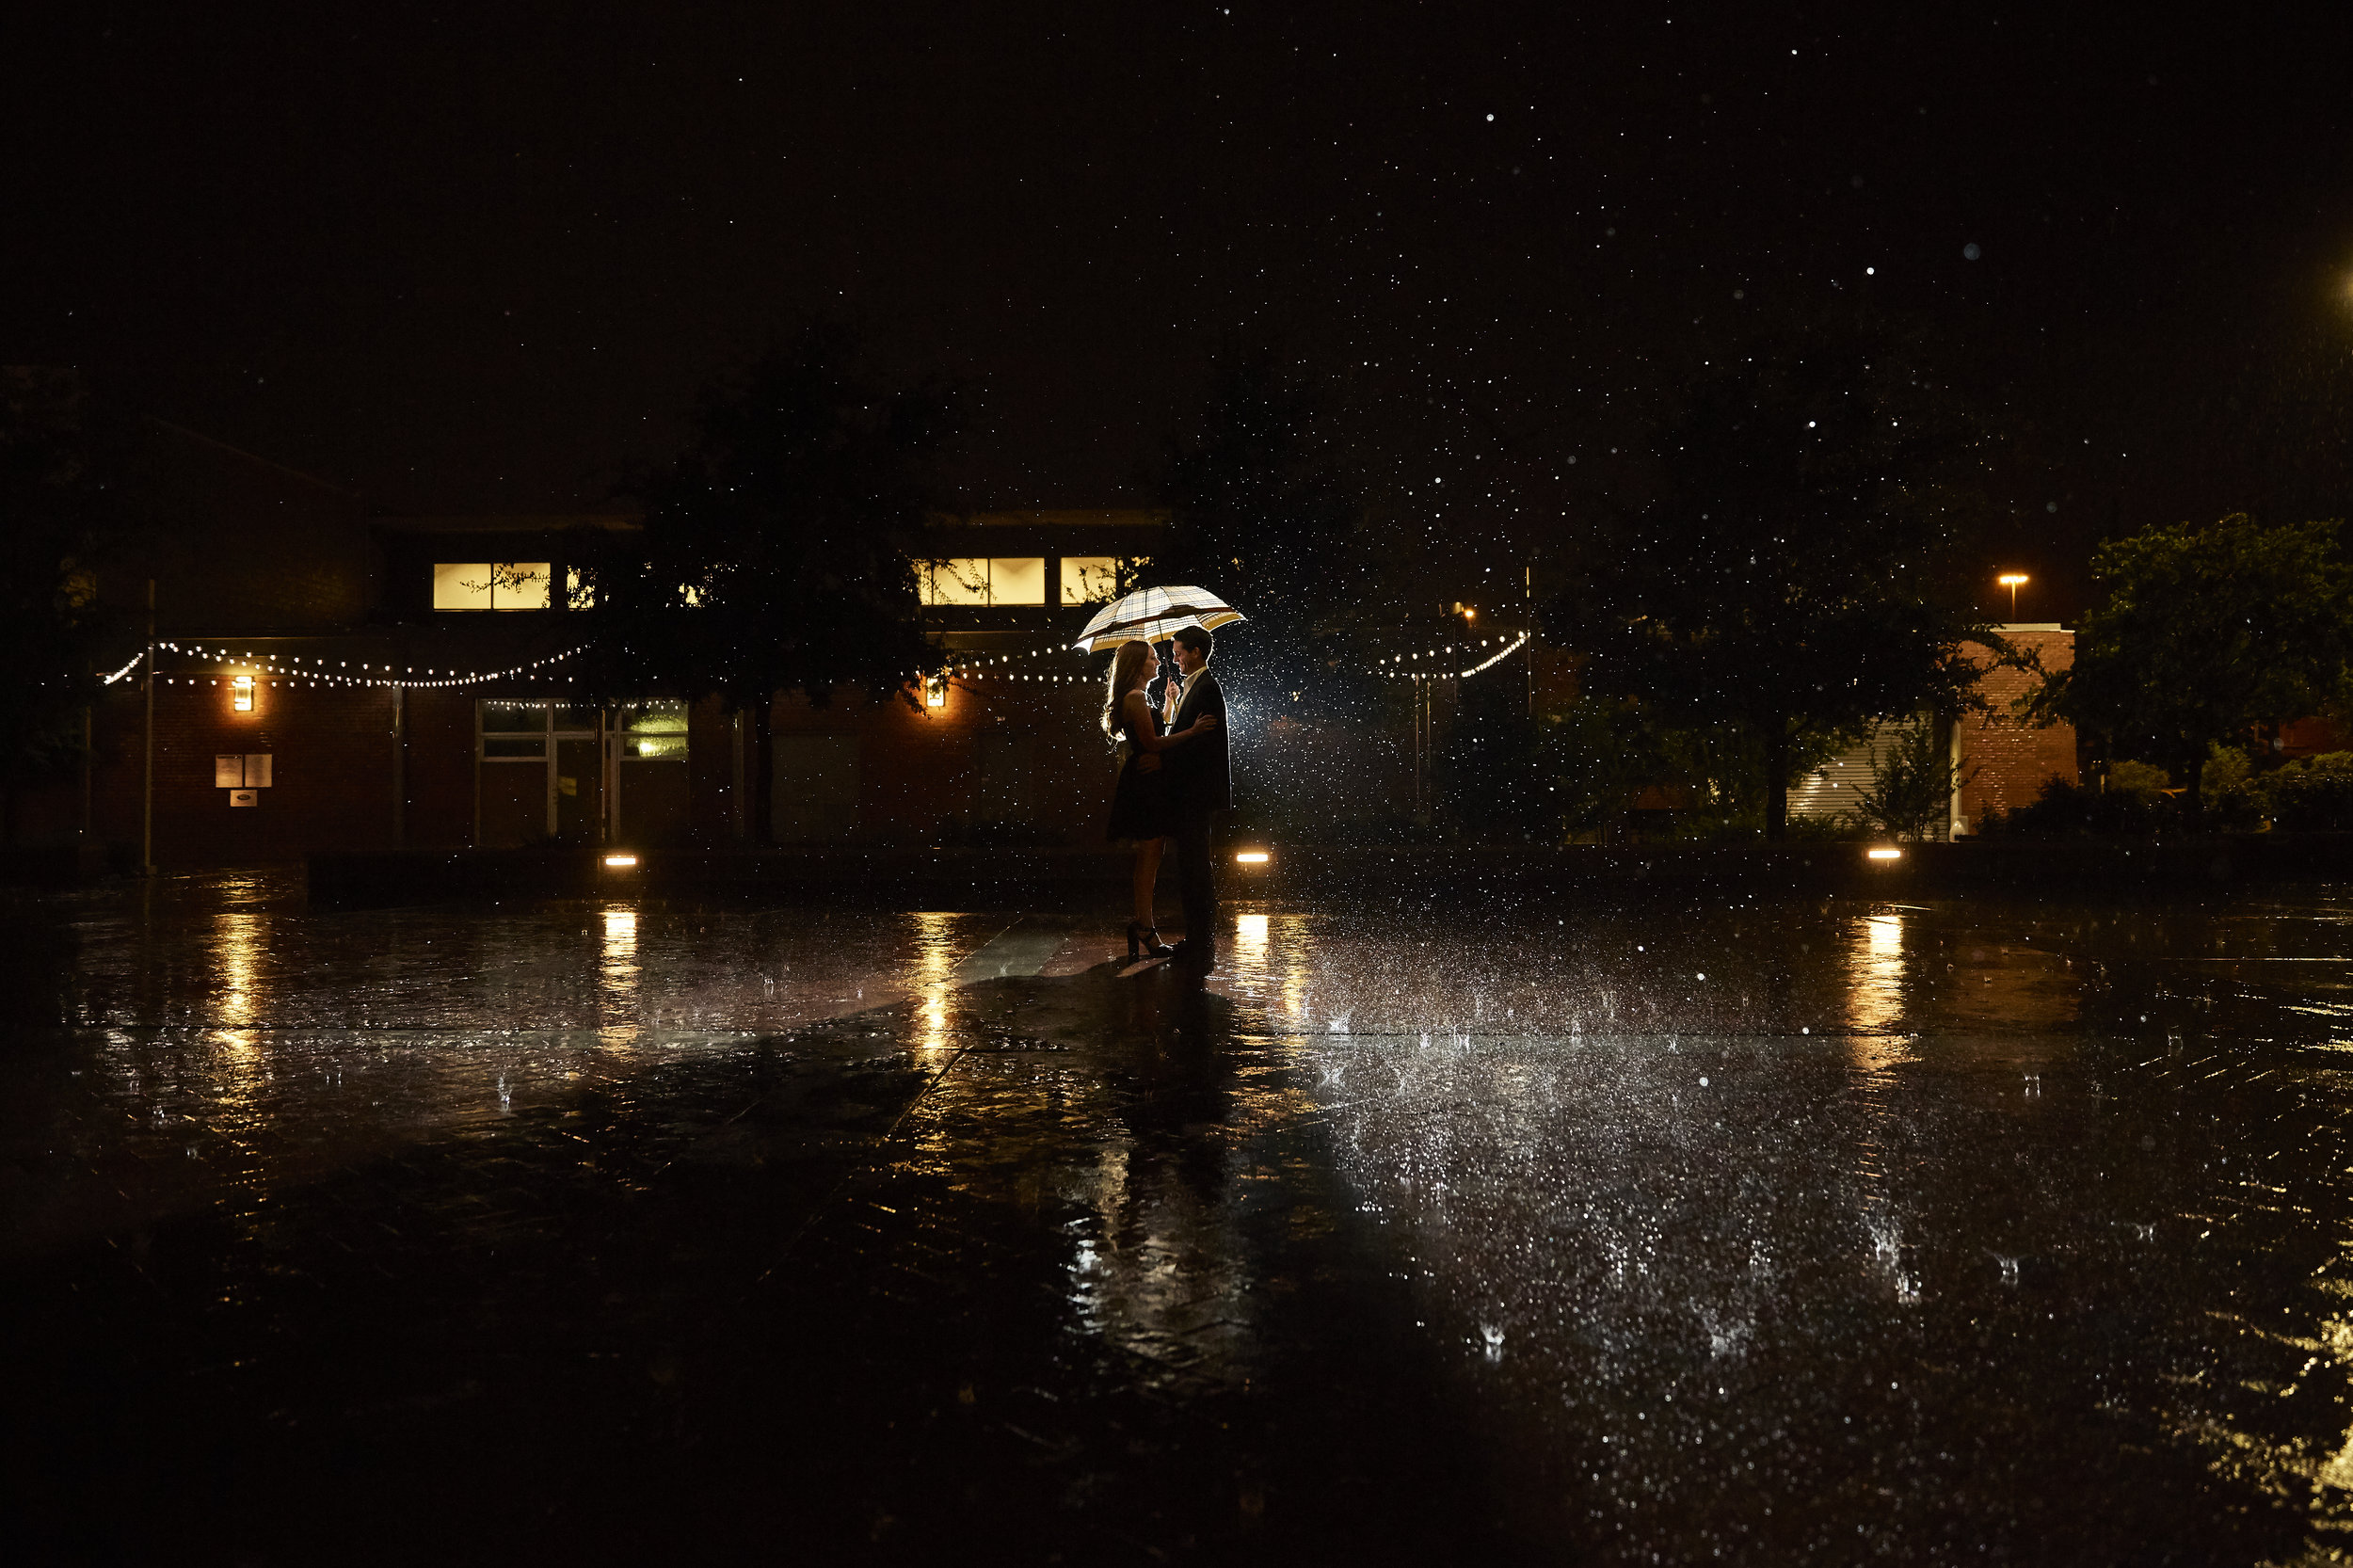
{"type": "Point", "coordinates": [1653, 1227]}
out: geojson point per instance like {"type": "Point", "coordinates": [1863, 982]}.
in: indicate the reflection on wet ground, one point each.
{"type": "Point", "coordinates": [600, 1230]}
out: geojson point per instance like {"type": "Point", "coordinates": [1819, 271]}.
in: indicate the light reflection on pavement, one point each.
{"type": "Point", "coordinates": [1828, 1228]}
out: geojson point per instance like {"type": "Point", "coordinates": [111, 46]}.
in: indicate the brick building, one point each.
{"type": "Point", "coordinates": [331, 679]}
{"type": "Point", "coordinates": [2003, 760]}
{"type": "Point", "coordinates": [326, 679]}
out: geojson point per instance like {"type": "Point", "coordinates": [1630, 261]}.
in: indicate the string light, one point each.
{"type": "Point", "coordinates": [268, 665]}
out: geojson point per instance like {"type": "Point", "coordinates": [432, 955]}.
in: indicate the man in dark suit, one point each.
{"type": "Point", "coordinates": [1200, 783]}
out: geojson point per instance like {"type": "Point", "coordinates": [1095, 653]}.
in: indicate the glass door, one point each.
{"type": "Point", "coordinates": [539, 775]}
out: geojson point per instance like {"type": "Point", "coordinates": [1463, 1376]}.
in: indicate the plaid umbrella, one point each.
{"type": "Point", "coordinates": [1150, 614]}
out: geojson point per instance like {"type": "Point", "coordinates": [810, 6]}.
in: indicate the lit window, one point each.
{"type": "Point", "coordinates": [579, 592]}
{"type": "Point", "coordinates": [1089, 579]}
{"type": "Point", "coordinates": [1016, 580]}
{"type": "Point", "coordinates": [960, 581]}
{"type": "Point", "coordinates": [656, 732]}
{"type": "Point", "coordinates": [490, 584]}
{"type": "Point", "coordinates": [986, 580]}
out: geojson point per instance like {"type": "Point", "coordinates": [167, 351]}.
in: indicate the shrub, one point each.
{"type": "Point", "coordinates": [1826, 828]}
{"type": "Point", "coordinates": [1912, 784]}
{"type": "Point", "coordinates": [2311, 796]}
{"type": "Point", "coordinates": [2136, 810]}
{"type": "Point", "coordinates": [2229, 792]}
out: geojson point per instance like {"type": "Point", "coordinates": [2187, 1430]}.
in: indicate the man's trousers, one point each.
{"type": "Point", "coordinates": [1196, 878]}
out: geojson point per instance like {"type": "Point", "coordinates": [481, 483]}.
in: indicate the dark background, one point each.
{"type": "Point", "coordinates": [482, 258]}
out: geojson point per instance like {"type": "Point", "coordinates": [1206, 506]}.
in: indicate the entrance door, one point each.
{"type": "Point", "coordinates": [578, 790]}
{"type": "Point", "coordinates": [539, 775]}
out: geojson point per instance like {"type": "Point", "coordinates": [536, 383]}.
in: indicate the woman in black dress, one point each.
{"type": "Point", "coordinates": [1140, 805]}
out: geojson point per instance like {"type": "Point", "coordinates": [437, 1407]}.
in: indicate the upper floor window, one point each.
{"type": "Point", "coordinates": [1092, 579]}
{"type": "Point", "coordinates": [986, 580]}
{"type": "Point", "coordinates": [490, 584]}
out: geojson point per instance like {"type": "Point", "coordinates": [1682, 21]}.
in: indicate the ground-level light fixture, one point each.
{"type": "Point", "coordinates": [1883, 853]}
{"type": "Point", "coordinates": [241, 695]}
{"type": "Point", "coordinates": [2013, 581]}
{"type": "Point", "coordinates": [1253, 858]}
{"type": "Point", "coordinates": [620, 862]}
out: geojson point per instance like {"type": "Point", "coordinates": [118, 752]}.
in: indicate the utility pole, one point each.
{"type": "Point", "coordinates": [147, 801]}
{"type": "Point", "coordinates": [400, 766]}
{"type": "Point", "coordinates": [1528, 620]}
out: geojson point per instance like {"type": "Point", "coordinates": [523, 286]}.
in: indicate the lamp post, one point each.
{"type": "Point", "coordinates": [2013, 581]}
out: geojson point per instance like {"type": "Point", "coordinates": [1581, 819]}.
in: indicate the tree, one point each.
{"type": "Point", "coordinates": [56, 516]}
{"type": "Point", "coordinates": [1794, 572]}
{"type": "Point", "coordinates": [1911, 785]}
{"type": "Point", "coordinates": [2206, 632]}
{"type": "Point", "coordinates": [778, 552]}
{"type": "Point", "coordinates": [1262, 514]}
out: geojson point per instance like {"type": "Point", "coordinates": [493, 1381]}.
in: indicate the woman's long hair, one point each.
{"type": "Point", "coordinates": [1131, 659]}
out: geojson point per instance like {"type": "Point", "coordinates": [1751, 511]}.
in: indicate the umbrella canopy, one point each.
{"type": "Point", "coordinates": [1150, 614]}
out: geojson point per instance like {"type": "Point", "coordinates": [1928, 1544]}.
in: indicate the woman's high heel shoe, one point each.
{"type": "Point", "coordinates": [1144, 942]}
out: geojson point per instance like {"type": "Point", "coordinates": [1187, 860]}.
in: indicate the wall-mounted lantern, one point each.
{"type": "Point", "coordinates": [935, 691]}
{"type": "Point", "coordinates": [241, 693]}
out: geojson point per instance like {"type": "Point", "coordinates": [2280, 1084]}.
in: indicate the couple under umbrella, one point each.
{"type": "Point", "coordinates": [1177, 774]}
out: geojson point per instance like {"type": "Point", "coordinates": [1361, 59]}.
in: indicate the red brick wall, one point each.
{"type": "Point", "coordinates": [2010, 760]}
{"type": "Point", "coordinates": [920, 768]}
{"type": "Point", "coordinates": [2310, 737]}
{"type": "Point", "coordinates": [333, 770]}
{"type": "Point", "coordinates": [441, 769]}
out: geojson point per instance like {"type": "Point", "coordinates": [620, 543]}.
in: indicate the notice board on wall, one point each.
{"type": "Point", "coordinates": [241, 771]}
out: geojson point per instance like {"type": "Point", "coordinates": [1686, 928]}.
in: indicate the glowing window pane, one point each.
{"type": "Point", "coordinates": [461, 585]}
{"type": "Point", "coordinates": [491, 585]}
{"type": "Point", "coordinates": [1089, 579]}
{"type": "Point", "coordinates": [1016, 580]}
{"type": "Point", "coordinates": [960, 581]}
{"type": "Point", "coordinates": [520, 586]}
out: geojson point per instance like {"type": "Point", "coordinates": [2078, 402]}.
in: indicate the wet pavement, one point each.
{"type": "Point", "coordinates": [1668, 1231]}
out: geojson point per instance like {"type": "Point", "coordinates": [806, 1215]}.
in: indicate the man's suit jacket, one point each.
{"type": "Point", "coordinates": [1200, 778]}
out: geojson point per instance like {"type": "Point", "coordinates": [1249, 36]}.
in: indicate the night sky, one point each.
{"type": "Point", "coordinates": [481, 260]}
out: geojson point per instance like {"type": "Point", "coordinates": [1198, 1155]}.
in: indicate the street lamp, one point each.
{"type": "Point", "coordinates": [2013, 581]}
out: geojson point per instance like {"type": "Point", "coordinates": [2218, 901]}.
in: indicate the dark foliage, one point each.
{"type": "Point", "coordinates": [1492, 769]}
{"type": "Point", "coordinates": [2206, 631]}
{"type": "Point", "coordinates": [1795, 573]}
{"type": "Point", "coordinates": [2065, 808]}
{"type": "Point", "coordinates": [1262, 515]}
{"type": "Point", "coordinates": [779, 554]}
{"type": "Point", "coordinates": [2311, 796]}
{"type": "Point", "coordinates": [1604, 754]}
{"type": "Point", "coordinates": [58, 512]}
